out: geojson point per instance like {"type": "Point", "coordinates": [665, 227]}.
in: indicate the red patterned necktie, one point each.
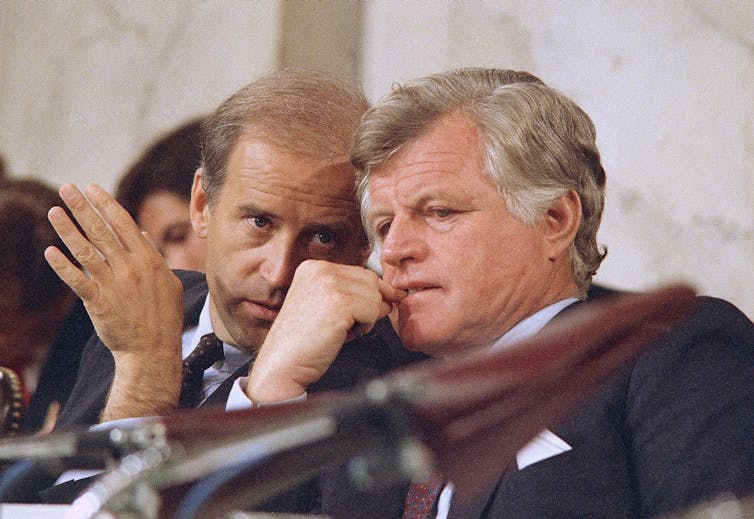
{"type": "Point", "coordinates": [209, 351]}
{"type": "Point", "coordinates": [421, 500]}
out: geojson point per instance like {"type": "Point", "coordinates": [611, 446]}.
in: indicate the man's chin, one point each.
{"type": "Point", "coordinates": [250, 334]}
{"type": "Point", "coordinates": [420, 339]}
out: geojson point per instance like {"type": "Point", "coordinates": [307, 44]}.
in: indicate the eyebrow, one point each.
{"type": "Point", "coordinates": [371, 214]}
{"type": "Point", "coordinates": [413, 199]}
{"type": "Point", "coordinates": [248, 207]}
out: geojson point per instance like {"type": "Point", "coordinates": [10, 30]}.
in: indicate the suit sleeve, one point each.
{"type": "Point", "coordinates": [93, 381]}
{"type": "Point", "coordinates": [689, 417]}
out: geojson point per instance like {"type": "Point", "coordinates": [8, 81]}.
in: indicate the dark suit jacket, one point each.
{"type": "Point", "coordinates": [674, 428]}
{"type": "Point", "coordinates": [58, 373]}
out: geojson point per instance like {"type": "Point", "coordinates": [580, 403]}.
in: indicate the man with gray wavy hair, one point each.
{"type": "Point", "coordinates": [483, 191]}
{"type": "Point", "coordinates": [497, 161]}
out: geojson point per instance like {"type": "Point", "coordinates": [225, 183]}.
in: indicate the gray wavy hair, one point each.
{"type": "Point", "coordinates": [538, 145]}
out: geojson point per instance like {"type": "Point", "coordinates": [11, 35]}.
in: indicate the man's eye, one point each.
{"type": "Point", "coordinates": [324, 238]}
{"type": "Point", "coordinates": [382, 229]}
{"type": "Point", "coordinates": [440, 212]}
{"type": "Point", "coordinates": [259, 221]}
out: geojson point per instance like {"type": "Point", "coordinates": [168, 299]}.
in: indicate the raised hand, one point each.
{"type": "Point", "coordinates": [325, 304]}
{"type": "Point", "coordinates": [132, 297]}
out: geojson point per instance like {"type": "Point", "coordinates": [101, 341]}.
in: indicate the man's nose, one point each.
{"type": "Point", "coordinates": [403, 243]}
{"type": "Point", "coordinates": [280, 263]}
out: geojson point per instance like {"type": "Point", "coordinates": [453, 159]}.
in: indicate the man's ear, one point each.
{"type": "Point", "coordinates": [560, 224]}
{"type": "Point", "coordinates": [199, 207]}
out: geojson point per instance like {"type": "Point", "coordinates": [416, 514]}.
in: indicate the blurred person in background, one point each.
{"type": "Point", "coordinates": [43, 325]}
{"type": "Point", "coordinates": [156, 191]}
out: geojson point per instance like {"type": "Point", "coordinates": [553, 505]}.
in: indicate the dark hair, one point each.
{"type": "Point", "coordinates": [168, 164]}
{"type": "Point", "coordinates": [27, 281]}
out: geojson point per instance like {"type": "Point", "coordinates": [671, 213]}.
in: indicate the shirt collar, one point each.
{"type": "Point", "coordinates": [234, 357]}
{"type": "Point", "coordinates": [531, 325]}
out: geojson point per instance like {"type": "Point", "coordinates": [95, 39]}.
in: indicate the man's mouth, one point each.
{"type": "Point", "coordinates": [262, 311]}
{"type": "Point", "coordinates": [416, 287]}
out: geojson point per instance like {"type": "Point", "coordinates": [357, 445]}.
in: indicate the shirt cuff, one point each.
{"type": "Point", "coordinates": [237, 398]}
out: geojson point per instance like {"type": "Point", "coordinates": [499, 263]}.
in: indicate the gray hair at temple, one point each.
{"type": "Point", "coordinates": [307, 113]}
{"type": "Point", "coordinates": [538, 145]}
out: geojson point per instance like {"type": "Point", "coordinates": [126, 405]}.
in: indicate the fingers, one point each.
{"type": "Point", "coordinates": [109, 231]}
{"type": "Point", "coordinates": [111, 243]}
{"type": "Point", "coordinates": [70, 273]}
{"type": "Point", "coordinates": [97, 230]}
{"type": "Point", "coordinates": [121, 225]}
{"type": "Point", "coordinates": [390, 297]}
{"type": "Point", "coordinates": [390, 294]}
{"type": "Point", "coordinates": [107, 225]}
{"type": "Point", "coordinates": [385, 296]}
{"type": "Point", "coordinates": [378, 298]}
{"type": "Point", "coordinates": [350, 298]}
{"type": "Point", "coordinates": [81, 248]}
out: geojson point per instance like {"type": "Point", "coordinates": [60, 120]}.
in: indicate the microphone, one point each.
{"type": "Point", "coordinates": [85, 449]}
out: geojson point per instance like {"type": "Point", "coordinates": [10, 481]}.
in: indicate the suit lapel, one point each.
{"type": "Point", "coordinates": [194, 294]}
{"type": "Point", "coordinates": [480, 507]}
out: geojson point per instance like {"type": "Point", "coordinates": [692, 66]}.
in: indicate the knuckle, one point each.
{"type": "Point", "coordinates": [98, 228]}
{"type": "Point", "coordinates": [331, 282]}
{"type": "Point", "coordinates": [118, 216]}
{"type": "Point", "coordinates": [87, 254]}
{"type": "Point", "coordinates": [80, 285]}
{"type": "Point", "coordinates": [372, 277]}
{"type": "Point", "coordinates": [122, 259]}
{"type": "Point", "coordinates": [77, 204]}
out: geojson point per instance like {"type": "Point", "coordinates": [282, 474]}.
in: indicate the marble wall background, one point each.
{"type": "Point", "coordinates": [85, 84]}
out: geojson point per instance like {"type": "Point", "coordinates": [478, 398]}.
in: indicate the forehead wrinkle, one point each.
{"type": "Point", "coordinates": [279, 172]}
{"type": "Point", "coordinates": [442, 149]}
{"type": "Point", "coordinates": [418, 163]}
{"type": "Point", "coordinates": [418, 189]}
{"type": "Point", "coordinates": [278, 185]}
{"type": "Point", "coordinates": [432, 161]}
